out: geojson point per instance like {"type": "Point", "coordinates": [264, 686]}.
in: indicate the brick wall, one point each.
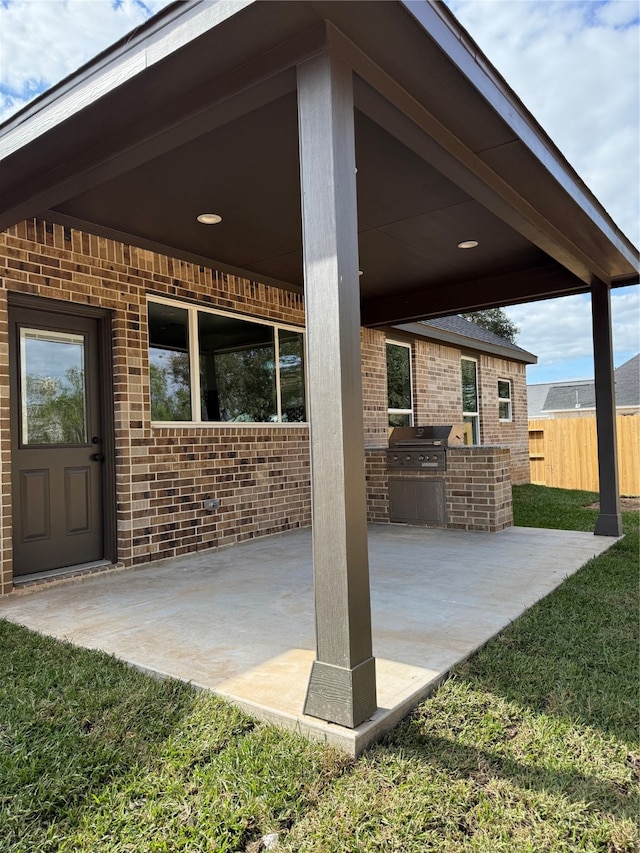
{"type": "Point", "coordinates": [515, 434]}
{"type": "Point", "coordinates": [438, 385]}
{"type": "Point", "coordinates": [479, 488]}
{"type": "Point", "coordinates": [259, 472]}
{"type": "Point", "coordinates": [260, 476]}
{"type": "Point", "coordinates": [374, 387]}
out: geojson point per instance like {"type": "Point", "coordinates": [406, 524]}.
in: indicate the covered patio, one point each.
{"type": "Point", "coordinates": [369, 156]}
{"type": "Point", "coordinates": [240, 620]}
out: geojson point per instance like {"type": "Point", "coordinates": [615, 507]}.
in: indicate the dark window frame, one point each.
{"type": "Point", "coordinates": [192, 350]}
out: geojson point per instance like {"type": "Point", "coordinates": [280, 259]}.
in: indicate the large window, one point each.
{"type": "Point", "coordinates": [208, 366]}
{"type": "Point", "coordinates": [399, 384]}
{"type": "Point", "coordinates": [470, 411]}
{"type": "Point", "coordinates": [505, 412]}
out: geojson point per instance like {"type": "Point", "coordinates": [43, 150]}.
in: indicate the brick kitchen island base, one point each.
{"type": "Point", "coordinates": [477, 487]}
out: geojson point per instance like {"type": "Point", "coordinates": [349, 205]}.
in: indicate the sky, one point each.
{"type": "Point", "coordinates": [575, 64]}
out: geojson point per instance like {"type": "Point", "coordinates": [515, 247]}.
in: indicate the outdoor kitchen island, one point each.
{"type": "Point", "coordinates": [428, 477]}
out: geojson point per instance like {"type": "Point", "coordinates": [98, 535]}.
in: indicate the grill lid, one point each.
{"type": "Point", "coordinates": [427, 436]}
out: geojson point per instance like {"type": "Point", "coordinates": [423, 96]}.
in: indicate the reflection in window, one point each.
{"type": "Point", "coordinates": [53, 395]}
{"type": "Point", "coordinates": [470, 415]}
{"type": "Point", "coordinates": [237, 369]}
{"type": "Point", "coordinates": [399, 385]}
{"type": "Point", "coordinates": [169, 375]}
{"type": "Point", "coordinates": [291, 360]}
{"type": "Point", "coordinates": [242, 371]}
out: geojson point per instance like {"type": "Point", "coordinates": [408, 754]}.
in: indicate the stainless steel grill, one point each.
{"type": "Point", "coordinates": [422, 447]}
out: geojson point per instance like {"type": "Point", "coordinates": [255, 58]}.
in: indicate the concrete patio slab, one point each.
{"type": "Point", "coordinates": [240, 620]}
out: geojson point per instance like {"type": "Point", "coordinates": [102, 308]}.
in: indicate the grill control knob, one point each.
{"type": "Point", "coordinates": [420, 458]}
{"type": "Point", "coordinates": [407, 458]}
{"type": "Point", "coordinates": [435, 458]}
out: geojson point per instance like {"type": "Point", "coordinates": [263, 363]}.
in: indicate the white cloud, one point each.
{"type": "Point", "coordinates": [576, 66]}
{"type": "Point", "coordinates": [558, 331]}
{"type": "Point", "coordinates": [42, 41]}
{"type": "Point", "coordinates": [555, 330]}
{"type": "Point", "coordinates": [625, 312]}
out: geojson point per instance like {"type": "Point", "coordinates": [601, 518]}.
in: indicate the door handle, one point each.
{"type": "Point", "coordinates": [97, 457]}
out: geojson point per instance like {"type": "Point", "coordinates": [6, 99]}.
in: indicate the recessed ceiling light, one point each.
{"type": "Point", "coordinates": [209, 218]}
{"type": "Point", "coordinates": [468, 244]}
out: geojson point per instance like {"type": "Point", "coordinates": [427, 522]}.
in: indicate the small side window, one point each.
{"type": "Point", "coordinates": [400, 398]}
{"type": "Point", "coordinates": [505, 411]}
{"type": "Point", "coordinates": [470, 405]}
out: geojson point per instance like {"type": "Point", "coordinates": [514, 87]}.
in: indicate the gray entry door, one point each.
{"type": "Point", "coordinates": [56, 438]}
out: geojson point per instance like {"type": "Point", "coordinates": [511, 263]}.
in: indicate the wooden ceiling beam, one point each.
{"type": "Point", "coordinates": [460, 297]}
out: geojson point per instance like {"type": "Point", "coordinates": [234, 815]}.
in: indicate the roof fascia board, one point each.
{"type": "Point", "coordinates": [115, 66]}
{"type": "Point", "coordinates": [460, 298]}
{"type": "Point", "coordinates": [464, 342]}
{"type": "Point", "coordinates": [591, 408]}
{"type": "Point", "coordinates": [580, 408]}
{"type": "Point", "coordinates": [563, 383]}
{"type": "Point", "coordinates": [464, 53]}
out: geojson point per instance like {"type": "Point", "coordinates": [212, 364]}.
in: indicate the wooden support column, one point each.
{"type": "Point", "coordinates": [609, 521]}
{"type": "Point", "coordinates": [342, 686]}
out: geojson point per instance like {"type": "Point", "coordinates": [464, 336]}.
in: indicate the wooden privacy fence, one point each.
{"type": "Point", "coordinates": [563, 452]}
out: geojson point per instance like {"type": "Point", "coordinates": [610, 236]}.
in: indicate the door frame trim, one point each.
{"type": "Point", "coordinates": [104, 317]}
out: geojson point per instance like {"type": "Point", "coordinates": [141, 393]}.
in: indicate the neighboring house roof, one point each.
{"type": "Point", "coordinates": [628, 382]}
{"type": "Point", "coordinates": [546, 397]}
{"type": "Point", "coordinates": [460, 332]}
{"type": "Point", "coordinates": [536, 396]}
{"type": "Point", "coordinates": [575, 395]}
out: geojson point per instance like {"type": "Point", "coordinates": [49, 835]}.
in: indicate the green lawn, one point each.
{"type": "Point", "coordinates": [530, 746]}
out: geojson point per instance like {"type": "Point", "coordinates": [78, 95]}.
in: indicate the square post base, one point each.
{"type": "Point", "coordinates": [340, 695]}
{"type": "Point", "coordinates": [608, 525]}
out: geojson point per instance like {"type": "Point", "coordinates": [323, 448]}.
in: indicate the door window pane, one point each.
{"type": "Point", "coordinates": [169, 373]}
{"type": "Point", "coordinates": [237, 369]}
{"type": "Point", "coordinates": [53, 392]}
{"type": "Point", "coordinates": [291, 352]}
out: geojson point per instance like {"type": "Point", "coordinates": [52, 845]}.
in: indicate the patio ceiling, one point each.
{"type": "Point", "coordinates": [197, 112]}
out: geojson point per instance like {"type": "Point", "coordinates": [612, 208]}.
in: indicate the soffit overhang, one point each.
{"type": "Point", "coordinates": [196, 112]}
